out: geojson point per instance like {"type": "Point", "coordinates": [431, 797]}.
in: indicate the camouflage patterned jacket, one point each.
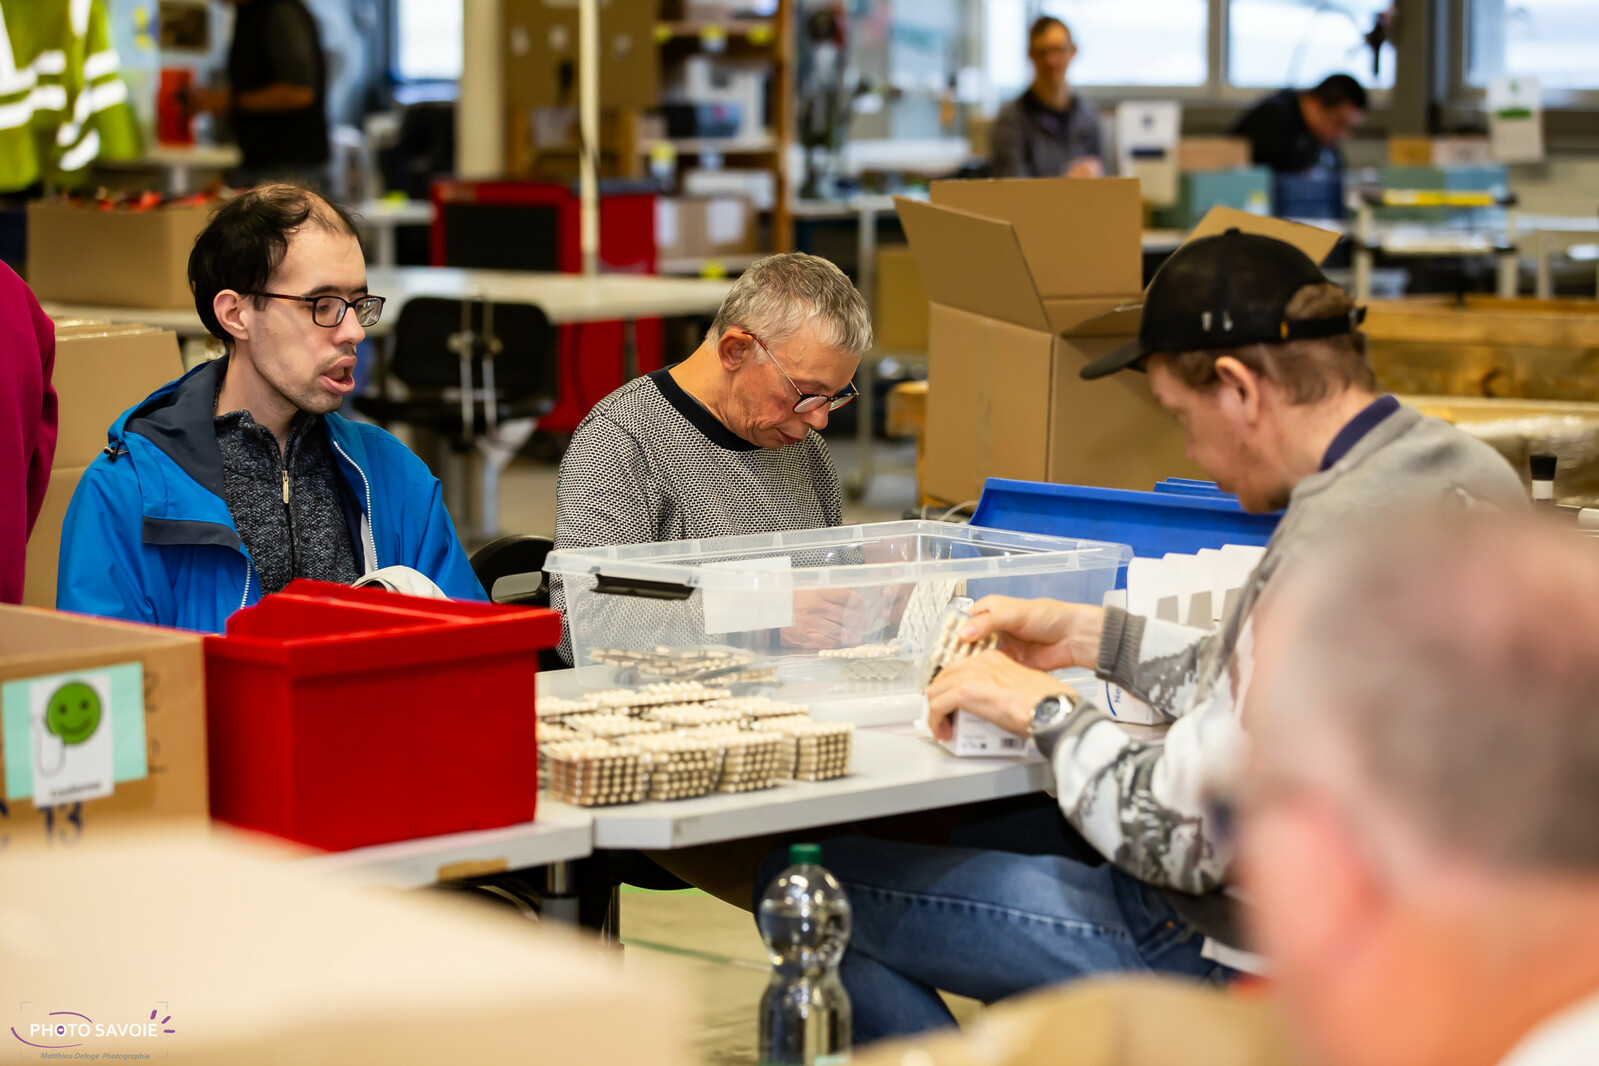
{"type": "Point", "coordinates": [1143, 803]}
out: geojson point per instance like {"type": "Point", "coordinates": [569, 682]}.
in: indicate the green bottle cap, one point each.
{"type": "Point", "coordinates": [804, 854]}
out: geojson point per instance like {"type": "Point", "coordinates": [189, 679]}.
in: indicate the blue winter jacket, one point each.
{"type": "Point", "coordinates": [148, 536]}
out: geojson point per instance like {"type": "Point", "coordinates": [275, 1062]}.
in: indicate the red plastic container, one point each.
{"type": "Point", "coordinates": [345, 717]}
{"type": "Point", "coordinates": [174, 120]}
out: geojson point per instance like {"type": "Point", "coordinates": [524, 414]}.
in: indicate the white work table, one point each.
{"type": "Point", "coordinates": [560, 834]}
{"type": "Point", "coordinates": [892, 771]}
{"type": "Point", "coordinates": [564, 298]}
{"type": "Point", "coordinates": [379, 219]}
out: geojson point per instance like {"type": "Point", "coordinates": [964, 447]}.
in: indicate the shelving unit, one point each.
{"type": "Point", "coordinates": [631, 142]}
{"type": "Point", "coordinates": [756, 29]}
{"type": "Point", "coordinates": [698, 266]}
{"type": "Point", "coordinates": [769, 39]}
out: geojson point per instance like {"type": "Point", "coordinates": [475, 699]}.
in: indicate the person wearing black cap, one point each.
{"type": "Point", "coordinates": [1261, 360]}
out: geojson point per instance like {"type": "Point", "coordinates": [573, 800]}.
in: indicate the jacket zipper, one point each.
{"type": "Point", "coordinates": [288, 514]}
{"type": "Point", "coordinates": [370, 556]}
{"type": "Point", "coordinates": [248, 568]}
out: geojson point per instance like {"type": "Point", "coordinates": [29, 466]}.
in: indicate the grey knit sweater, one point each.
{"type": "Point", "coordinates": [286, 505]}
{"type": "Point", "coordinates": [650, 463]}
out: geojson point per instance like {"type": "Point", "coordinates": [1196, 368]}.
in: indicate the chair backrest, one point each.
{"type": "Point", "coordinates": [525, 366]}
{"type": "Point", "coordinates": [517, 553]}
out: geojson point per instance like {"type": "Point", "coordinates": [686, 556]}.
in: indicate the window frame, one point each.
{"type": "Point", "coordinates": [1466, 101]}
{"type": "Point", "coordinates": [1217, 90]}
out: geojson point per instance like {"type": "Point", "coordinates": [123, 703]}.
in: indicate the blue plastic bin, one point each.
{"type": "Point", "coordinates": [1184, 486]}
{"type": "Point", "coordinates": [1151, 523]}
{"type": "Point", "coordinates": [1313, 195]}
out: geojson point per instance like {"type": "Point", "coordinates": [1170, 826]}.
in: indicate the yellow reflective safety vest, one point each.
{"type": "Point", "coordinates": [63, 102]}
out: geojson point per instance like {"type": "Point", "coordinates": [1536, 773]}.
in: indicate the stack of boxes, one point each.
{"type": "Point", "coordinates": [1215, 172]}
{"type": "Point", "coordinates": [1007, 339]}
{"type": "Point", "coordinates": [101, 370]}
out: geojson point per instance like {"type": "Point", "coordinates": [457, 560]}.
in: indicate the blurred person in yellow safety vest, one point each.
{"type": "Point", "coordinates": [63, 102]}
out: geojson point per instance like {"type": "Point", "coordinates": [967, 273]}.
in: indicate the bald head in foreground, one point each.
{"type": "Point", "coordinates": [1420, 819]}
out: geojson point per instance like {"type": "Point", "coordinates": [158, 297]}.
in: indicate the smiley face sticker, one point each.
{"type": "Point", "coordinates": [73, 712]}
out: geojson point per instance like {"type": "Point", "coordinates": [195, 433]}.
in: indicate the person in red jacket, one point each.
{"type": "Point", "coordinates": [27, 423]}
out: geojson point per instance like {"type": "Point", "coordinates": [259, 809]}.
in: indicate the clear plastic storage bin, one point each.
{"type": "Point", "coordinates": [817, 615]}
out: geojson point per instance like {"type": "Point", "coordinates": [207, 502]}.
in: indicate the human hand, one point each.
{"type": "Point", "coordinates": [1086, 167]}
{"type": "Point", "coordinates": [990, 685]}
{"type": "Point", "coordinates": [1042, 634]}
{"type": "Point", "coordinates": [204, 98]}
{"type": "Point", "coordinates": [828, 618]}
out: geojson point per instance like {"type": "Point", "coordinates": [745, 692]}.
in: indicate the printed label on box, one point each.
{"type": "Point", "coordinates": [665, 223]}
{"type": "Point", "coordinates": [72, 737]}
{"type": "Point", "coordinates": [724, 222]}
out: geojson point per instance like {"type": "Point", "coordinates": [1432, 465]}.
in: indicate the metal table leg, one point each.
{"type": "Point", "coordinates": [1543, 285]}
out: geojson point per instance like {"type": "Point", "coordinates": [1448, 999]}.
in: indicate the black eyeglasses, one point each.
{"type": "Point", "coordinates": [809, 401]}
{"type": "Point", "coordinates": [328, 311]}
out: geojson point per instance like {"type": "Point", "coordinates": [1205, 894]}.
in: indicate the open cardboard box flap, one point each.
{"type": "Point", "coordinates": [1313, 241]}
{"type": "Point", "coordinates": [1080, 237]}
{"type": "Point", "coordinates": [971, 263]}
{"type": "Point", "coordinates": [1040, 253]}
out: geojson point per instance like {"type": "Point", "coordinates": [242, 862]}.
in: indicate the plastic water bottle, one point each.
{"type": "Point", "coordinates": [804, 919]}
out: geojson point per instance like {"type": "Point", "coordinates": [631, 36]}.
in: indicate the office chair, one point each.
{"type": "Point", "coordinates": [477, 373]}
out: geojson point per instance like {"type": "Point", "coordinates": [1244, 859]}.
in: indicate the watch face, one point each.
{"type": "Point", "coordinates": [1047, 708]}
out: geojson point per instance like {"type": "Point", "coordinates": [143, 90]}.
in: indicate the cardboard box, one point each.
{"type": "Point", "coordinates": [100, 372]}
{"type": "Point", "coordinates": [1438, 151]}
{"type": "Point", "coordinates": [902, 306]}
{"type": "Point", "coordinates": [1410, 151]}
{"type": "Point", "coordinates": [37, 643]}
{"type": "Point", "coordinates": [693, 228]}
{"type": "Point", "coordinates": [1199, 155]}
{"type": "Point", "coordinates": [44, 543]}
{"type": "Point", "coordinates": [1115, 1021]}
{"type": "Point", "coordinates": [541, 54]}
{"type": "Point", "coordinates": [1009, 266]}
{"type": "Point", "coordinates": [1029, 280]}
{"type": "Point", "coordinates": [979, 738]}
{"type": "Point", "coordinates": [79, 254]}
{"type": "Point", "coordinates": [1244, 188]}
{"type": "Point", "coordinates": [258, 960]}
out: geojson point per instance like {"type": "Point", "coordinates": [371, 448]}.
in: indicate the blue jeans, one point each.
{"type": "Point", "coordinates": [987, 925]}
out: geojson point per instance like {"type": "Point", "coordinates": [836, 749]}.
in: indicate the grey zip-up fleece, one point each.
{"type": "Point", "coordinates": [1143, 803]}
{"type": "Point", "coordinates": [286, 504]}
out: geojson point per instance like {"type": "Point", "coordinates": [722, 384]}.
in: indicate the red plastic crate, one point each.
{"type": "Point", "coordinates": [345, 717]}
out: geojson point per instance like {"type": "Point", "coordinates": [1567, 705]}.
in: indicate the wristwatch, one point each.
{"type": "Point", "coordinates": [1051, 711]}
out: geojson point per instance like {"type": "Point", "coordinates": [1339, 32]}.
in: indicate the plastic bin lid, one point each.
{"type": "Point", "coordinates": [730, 563]}
{"type": "Point", "coordinates": [1153, 523]}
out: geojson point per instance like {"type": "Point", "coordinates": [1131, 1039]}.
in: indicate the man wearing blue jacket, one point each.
{"type": "Point", "coordinates": [230, 482]}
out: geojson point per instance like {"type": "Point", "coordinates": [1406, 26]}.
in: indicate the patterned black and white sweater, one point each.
{"type": "Point", "coordinates": [650, 463]}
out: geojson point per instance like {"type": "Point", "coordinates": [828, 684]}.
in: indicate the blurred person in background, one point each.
{"type": "Point", "coordinates": [1049, 131]}
{"type": "Point", "coordinates": [1293, 131]}
{"type": "Point", "coordinates": [276, 94]}
{"type": "Point", "coordinates": [1419, 822]}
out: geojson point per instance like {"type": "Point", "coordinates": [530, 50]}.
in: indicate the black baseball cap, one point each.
{"type": "Point", "coordinates": [1224, 292]}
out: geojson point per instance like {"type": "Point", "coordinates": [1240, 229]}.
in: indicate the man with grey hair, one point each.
{"type": "Point", "coordinates": [726, 442]}
{"type": "Point", "coordinates": [1419, 820]}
